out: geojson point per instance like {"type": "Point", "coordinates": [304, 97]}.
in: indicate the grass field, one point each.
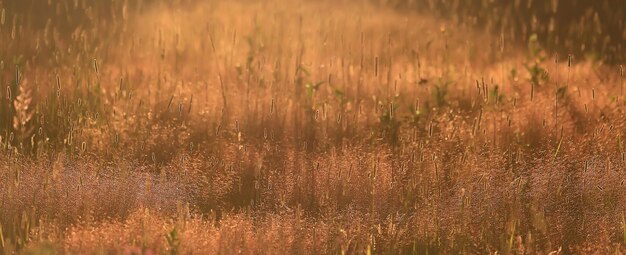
{"type": "Point", "coordinates": [307, 127]}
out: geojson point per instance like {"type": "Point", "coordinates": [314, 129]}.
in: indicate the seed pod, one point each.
{"type": "Point", "coordinates": [593, 93]}
{"type": "Point", "coordinates": [190, 102]}
{"type": "Point", "coordinates": [169, 104]}
{"type": "Point", "coordinates": [430, 129]}
{"type": "Point", "coordinates": [58, 86]}
{"type": "Point", "coordinates": [17, 75]}
{"type": "Point", "coordinates": [95, 66]}
{"type": "Point", "coordinates": [121, 85]}
{"type": "Point", "coordinates": [569, 60]}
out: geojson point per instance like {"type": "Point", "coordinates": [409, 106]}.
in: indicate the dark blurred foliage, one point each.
{"type": "Point", "coordinates": [68, 15]}
{"type": "Point", "coordinates": [64, 14]}
{"type": "Point", "coordinates": [594, 28]}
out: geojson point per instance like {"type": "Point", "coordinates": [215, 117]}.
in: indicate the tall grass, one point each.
{"type": "Point", "coordinates": [299, 127]}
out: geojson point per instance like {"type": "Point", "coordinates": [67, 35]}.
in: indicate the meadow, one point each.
{"type": "Point", "coordinates": [310, 127]}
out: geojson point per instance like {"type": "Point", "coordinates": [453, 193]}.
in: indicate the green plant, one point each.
{"type": "Point", "coordinates": [389, 122]}
{"type": "Point", "coordinates": [440, 94]}
{"type": "Point", "coordinates": [173, 241]}
{"type": "Point", "coordinates": [536, 71]}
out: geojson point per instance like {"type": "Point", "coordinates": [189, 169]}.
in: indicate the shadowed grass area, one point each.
{"type": "Point", "coordinates": [594, 30]}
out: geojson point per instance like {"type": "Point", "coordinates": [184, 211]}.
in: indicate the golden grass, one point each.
{"type": "Point", "coordinates": [299, 127]}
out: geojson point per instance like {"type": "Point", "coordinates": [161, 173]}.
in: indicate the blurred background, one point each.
{"type": "Point", "coordinates": [594, 29]}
